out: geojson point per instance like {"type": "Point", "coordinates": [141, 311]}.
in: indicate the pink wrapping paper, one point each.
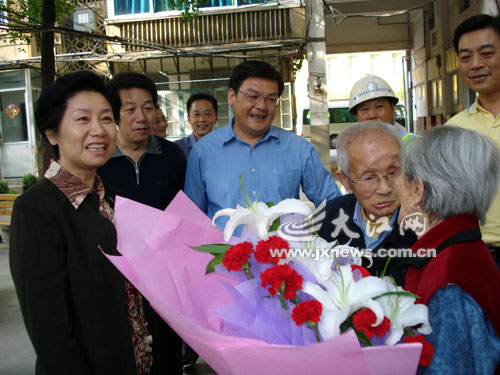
{"type": "Point", "coordinates": [157, 259]}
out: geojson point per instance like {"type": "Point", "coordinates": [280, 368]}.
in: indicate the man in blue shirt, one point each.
{"type": "Point", "coordinates": [202, 116]}
{"type": "Point", "coordinates": [273, 163]}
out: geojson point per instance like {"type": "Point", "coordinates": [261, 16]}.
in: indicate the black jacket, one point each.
{"type": "Point", "coordinates": [153, 181]}
{"type": "Point", "coordinates": [72, 298]}
{"type": "Point", "coordinates": [393, 241]}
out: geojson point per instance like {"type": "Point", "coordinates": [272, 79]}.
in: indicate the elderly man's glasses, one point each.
{"type": "Point", "coordinates": [255, 97]}
{"type": "Point", "coordinates": [370, 182]}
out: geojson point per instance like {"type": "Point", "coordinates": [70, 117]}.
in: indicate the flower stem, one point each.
{"type": "Point", "coordinates": [250, 204]}
{"type": "Point", "coordinates": [282, 301]}
{"type": "Point", "coordinates": [316, 333]}
{"type": "Point", "coordinates": [310, 324]}
{"type": "Point", "coordinates": [248, 274]}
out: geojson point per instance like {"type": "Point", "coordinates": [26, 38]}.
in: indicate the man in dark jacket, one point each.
{"type": "Point", "coordinates": [149, 170]}
{"type": "Point", "coordinates": [369, 161]}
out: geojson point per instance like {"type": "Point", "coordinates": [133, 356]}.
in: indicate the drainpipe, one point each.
{"type": "Point", "coordinates": [316, 58]}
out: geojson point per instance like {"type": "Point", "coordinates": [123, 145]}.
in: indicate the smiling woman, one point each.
{"type": "Point", "coordinates": [82, 316]}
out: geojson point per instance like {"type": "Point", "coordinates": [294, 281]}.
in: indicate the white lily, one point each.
{"type": "Point", "coordinates": [259, 215]}
{"type": "Point", "coordinates": [343, 296]}
{"type": "Point", "coordinates": [403, 312]}
{"type": "Point", "coordinates": [318, 257]}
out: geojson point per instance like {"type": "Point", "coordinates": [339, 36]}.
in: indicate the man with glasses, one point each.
{"type": "Point", "coordinates": [369, 161]}
{"type": "Point", "coordinates": [273, 163]}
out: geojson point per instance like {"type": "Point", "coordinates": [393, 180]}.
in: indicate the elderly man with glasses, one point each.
{"type": "Point", "coordinates": [369, 161]}
{"type": "Point", "coordinates": [273, 163]}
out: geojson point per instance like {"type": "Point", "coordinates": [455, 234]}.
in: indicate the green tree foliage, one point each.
{"type": "Point", "coordinates": [25, 17]}
{"type": "Point", "coordinates": [28, 181]}
{"type": "Point", "coordinates": [4, 187]}
{"type": "Point", "coordinates": [190, 8]}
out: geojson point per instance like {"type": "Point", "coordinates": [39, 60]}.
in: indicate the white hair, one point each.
{"type": "Point", "coordinates": [460, 170]}
{"type": "Point", "coordinates": [359, 130]}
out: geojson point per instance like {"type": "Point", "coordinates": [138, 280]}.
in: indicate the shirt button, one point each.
{"type": "Point", "coordinates": [253, 169]}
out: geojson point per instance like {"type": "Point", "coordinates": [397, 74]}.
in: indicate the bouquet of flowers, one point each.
{"type": "Point", "coordinates": [263, 311]}
{"type": "Point", "coordinates": [330, 293]}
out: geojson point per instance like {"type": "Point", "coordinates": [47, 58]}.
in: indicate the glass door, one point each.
{"type": "Point", "coordinates": [16, 158]}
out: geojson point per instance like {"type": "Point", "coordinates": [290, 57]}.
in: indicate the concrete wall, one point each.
{"type": "Point", "coordinates": [437, 86]}
{"type": "Point", "coordinates": [366, 34]}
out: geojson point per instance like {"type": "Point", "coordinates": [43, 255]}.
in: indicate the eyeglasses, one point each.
{"type": "Point", "coordinates": [368, 183]}
{"type": "Point", "coordinates": [255, 97]}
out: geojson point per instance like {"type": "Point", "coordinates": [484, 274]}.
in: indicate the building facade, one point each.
{"type": "Point", "coordinates": [146, 36]}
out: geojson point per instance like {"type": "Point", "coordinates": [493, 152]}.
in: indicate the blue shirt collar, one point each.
{"type": "Point", "coordinates": [271, 133]}
{"type": "Point", "coordinates": [359, 220]}
{"type": "Point", "coordinates": [191, 140]}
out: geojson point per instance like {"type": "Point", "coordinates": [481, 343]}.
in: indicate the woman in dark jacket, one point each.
{"type": "Point", "coordinates": [81, 315]}
{"type": "Point", "coordinates": [448, 181]}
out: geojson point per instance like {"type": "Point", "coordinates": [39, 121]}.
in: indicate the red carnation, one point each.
{"type": "Point", "coordinates": [237, 255]}
{"type": "Point", "coordinates": [363, 270]}
{"type": "Point", "coordinates": [307, 311]}
{"type": "Point", "coordinates": [282, 278]}
{"type": "Point", "coordinates": [364, 319]}
{"type": "Point", "coordinates": [427, 350]}
{"type": "Point", "coordinates": [274, 243]}
{"type": "Point", "coordinates": [382, 328]}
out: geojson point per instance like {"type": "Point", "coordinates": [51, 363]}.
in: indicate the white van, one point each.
{"type": "Point", "coordinates": [340, 119]}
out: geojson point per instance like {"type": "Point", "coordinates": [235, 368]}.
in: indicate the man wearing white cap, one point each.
{"type": "Point", "coordinates": [372, 99]}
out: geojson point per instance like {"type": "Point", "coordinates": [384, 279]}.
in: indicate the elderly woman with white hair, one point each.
{"type": "Point", "coordinates": [448, 180]}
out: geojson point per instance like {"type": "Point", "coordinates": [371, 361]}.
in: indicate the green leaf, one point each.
{"type": "Point", "coordinates": [385, 267]}
{"type": "Point", "coordinates": [398, 293]}
{"type": "Point", "coordinates": [214, 248]}
{"type": "Point", "coordinates": [276, 224]}
{"type": "Point", "coordinates": [211, 265]}
{"type": "Point", "coordinates": [362, 337]}
{"type": "Point", "coordinates": [270, 204]}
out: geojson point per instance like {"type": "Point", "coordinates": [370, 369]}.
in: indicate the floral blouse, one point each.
{"type": "Point", "coordinates": [76, 191]}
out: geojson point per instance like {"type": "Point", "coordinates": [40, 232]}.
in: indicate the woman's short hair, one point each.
{"type": "Point", "coordinates": [460, 170]}
{"type": "Point", "coordinates": [53, 100]}
{"type": "Point", "coordinates": [360, 130]}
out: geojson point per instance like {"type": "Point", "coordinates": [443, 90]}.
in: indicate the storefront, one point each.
{"type": "Point", "coordinates": [19, 89]}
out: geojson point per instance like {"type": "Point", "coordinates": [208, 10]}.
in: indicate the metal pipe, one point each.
{"type": "Point", "coordinates": [192, 81]}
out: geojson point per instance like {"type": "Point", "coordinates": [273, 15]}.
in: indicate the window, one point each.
{"type": "Point", "coordinates": [437, 93]}
{"type": "Point", "coordinates": [455, 88]}
{"type": "Point", "coordinates": [432, 21]}
{"type": "Point", "coordinates": [142, 7]}
{"type": "Point", "coordinates": [285, 109]}
{"type": "Point", "coordinates": [339, 115]}
{"type": "Point", "coordinates": [131, 6]}
{"type": "Point", "coordinates": [13, 122]}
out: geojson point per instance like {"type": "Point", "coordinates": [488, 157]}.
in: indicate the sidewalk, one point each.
{"type": "Point", "coordinates": [16, 353]}
{"type": "Point", "coordinates": [17, 356]}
